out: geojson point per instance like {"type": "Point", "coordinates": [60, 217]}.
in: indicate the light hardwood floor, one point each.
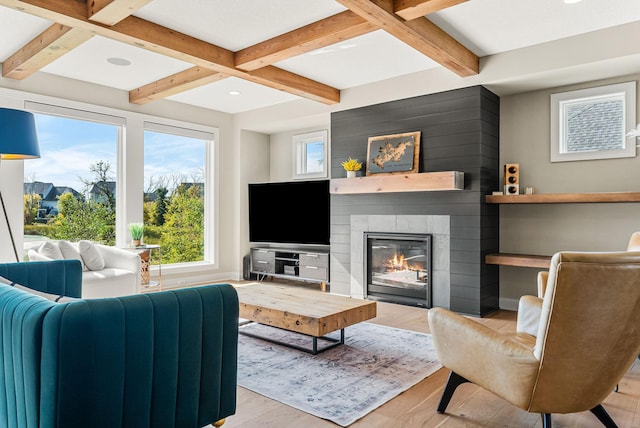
{"type": "Point", "coordinates": [470, 407]}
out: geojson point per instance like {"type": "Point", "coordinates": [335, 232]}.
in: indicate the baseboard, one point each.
{"type": "Point", "coordinates": [508, 304]}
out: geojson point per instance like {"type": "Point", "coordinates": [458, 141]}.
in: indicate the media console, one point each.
{"type": "Point", "coordinates": [304, 265]}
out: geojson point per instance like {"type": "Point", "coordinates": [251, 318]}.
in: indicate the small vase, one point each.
{"type": "Point", "coordinates": [351, 174]}
{"type": "Point", "coordinates": [137, 242]}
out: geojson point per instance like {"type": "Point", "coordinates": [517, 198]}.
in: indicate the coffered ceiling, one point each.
{"type": "Point", "coordinates": [236, 56]}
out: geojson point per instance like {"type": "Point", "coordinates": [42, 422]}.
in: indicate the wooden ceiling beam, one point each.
{"type": "Point", "coordinates": [147, 35]}
{"type": "Point", "coordinates": [171, 43]}
{"type": "Point", "coordinates": [175, 84]}
{"type": "Point", "coordinates": [153, 37]}
{"type": "Point", "coordinates": [110, 12]}
{"type": "Point", "coordinates": [45, 48]}
{"type": "Point", "coordinates": [421, 34]}
{"type": "Point", "coordinates": [295, 84]}
{"type": "Point", "coordinates": [78, 21]}
{"type": "Point", "coordinates": [334, 29]}
{"type": "Point", "coordinates": [413, 9]}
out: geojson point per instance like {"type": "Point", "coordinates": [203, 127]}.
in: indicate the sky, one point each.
{"type": "Point", "coordinates": [69, 147]}
{"type": "Point", "coordinates": [315, 157]}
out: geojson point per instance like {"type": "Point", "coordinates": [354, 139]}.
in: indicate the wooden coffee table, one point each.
{"type": "Point", "coordinates": [302, 311]}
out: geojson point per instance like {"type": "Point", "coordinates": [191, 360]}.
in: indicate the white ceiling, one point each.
{"type": "Point", "coordinates": [486, 27]}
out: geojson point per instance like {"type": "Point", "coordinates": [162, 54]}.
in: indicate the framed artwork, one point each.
{"type": "Point", "coordinates": [393, 154]}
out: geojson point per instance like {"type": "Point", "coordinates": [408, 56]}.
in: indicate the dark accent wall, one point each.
{"type": "Point", "coordinates": [459, 132]}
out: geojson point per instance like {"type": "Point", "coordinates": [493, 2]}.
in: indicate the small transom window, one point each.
{"type": "Point", "coordinates": [310, 154]}
{"type": "Point", "coordinates": [592, 123]}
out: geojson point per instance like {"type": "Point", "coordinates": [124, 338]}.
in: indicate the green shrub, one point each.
{"type": "Point", "coordinates": [40, 230]}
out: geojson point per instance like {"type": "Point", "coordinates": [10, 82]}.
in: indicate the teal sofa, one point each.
{"type": "Point", "coordinates": [165, 359]}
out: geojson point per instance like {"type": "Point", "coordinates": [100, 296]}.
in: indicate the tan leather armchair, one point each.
{"type": "Point", "coordinates": [587, 322]}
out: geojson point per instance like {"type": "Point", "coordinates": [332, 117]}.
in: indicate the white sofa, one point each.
{"type": "Point", "coordinates": [106, 271]}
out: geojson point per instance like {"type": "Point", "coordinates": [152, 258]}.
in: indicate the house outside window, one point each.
{"type": "Point", "coordinates": [70, 191]}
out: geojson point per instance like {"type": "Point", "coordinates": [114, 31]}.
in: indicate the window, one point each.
{"type": "Point", "coordinates": [310, 154]}
{"type": "Point", "coordinates": [92, 156]}
{"type": "Point", "coordinates": [176, 192]}
{"type": "Point", "coordinates": [70, 191]}
{"type": "Point", "coordinates": [592, 123]}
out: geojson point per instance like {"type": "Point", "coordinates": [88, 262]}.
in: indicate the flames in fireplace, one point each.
{"type": "Point", "coordinates": [397, 263]}
{"type": "Point", "coordinates": [398, 267]}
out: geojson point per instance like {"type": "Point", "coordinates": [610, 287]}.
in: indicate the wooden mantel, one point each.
{"type": "Point", "coordinates": [422, 182]}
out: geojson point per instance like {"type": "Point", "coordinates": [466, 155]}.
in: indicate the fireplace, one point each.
{"type": "Point", "coordinates": [397, 268]}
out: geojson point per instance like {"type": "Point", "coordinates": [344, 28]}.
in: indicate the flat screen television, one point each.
{"type": "Point", "coordinates": [294, 212]}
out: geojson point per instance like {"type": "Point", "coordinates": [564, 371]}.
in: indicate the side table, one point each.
{"type": "Point", "coordinates": [146, 253]}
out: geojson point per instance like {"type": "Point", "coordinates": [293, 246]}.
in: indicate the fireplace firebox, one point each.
{"type": "Point", "coordinates": [397, 268]}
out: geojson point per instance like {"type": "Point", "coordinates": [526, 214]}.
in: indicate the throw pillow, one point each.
{"type": "Point", "coordinates": [35, 256]}
{"type": "Point", "coordinates": [69, 252]}
{"type": "Point", "coordinates": [51, 250]}
{"type": "Point", "coordinates": [90, 255]}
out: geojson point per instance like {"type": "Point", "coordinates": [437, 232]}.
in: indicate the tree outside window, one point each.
{"type": "Point", "coordinates": [70, 192]}
{"type": "Point", "coordinates": [175, 192]}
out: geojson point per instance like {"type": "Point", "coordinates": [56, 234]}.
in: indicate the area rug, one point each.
{"type": "Point", "coordinates": [344, 383]}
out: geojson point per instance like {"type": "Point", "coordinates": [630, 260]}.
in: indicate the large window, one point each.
{"type": "Point", "coordinates": [103, 169]}
{"type": "Point", "coordinates": [592, 123]}
{"type": "Point", "coordinates": [70, 191]}
{"type": "Point", "coordinates": [176, 191]}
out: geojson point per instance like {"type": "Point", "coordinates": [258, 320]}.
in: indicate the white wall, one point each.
{"type": "Point", "coordinates": [256, 157]}
{"type": "Point", "coordinates": [546, 229]}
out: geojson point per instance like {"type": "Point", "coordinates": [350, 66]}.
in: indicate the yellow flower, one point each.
{"type": "Point", "coordinates": [352, 165]}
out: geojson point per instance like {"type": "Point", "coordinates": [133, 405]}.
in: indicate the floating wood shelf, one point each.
{"type": "Point", "coordinates": [520, 260]}
{"type": "Point", "coordinates": [564, 198]}
{"type": "Point", "coordinates": [422, 182]}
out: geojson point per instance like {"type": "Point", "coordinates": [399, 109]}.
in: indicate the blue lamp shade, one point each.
{"type": "Point", "coordinates": [18, 139]}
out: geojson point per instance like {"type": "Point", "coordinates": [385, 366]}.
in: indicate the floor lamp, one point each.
{"type": "Point", "coordinates": [18, 140]}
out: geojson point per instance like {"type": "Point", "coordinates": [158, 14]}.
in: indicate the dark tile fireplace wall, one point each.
{"type": "Point", "coordinates": [460, 132]}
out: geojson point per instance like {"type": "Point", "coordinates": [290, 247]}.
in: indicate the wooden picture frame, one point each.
{"type": "Point", "coordinates": [393, 154]}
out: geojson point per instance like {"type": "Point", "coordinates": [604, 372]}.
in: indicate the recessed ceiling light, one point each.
{"type": "Point", "coordinates": [572, 1]}
{"type": "Point", "coordinates": [234, 92]}
{"type": "Point", "coordinates": [119, 61]}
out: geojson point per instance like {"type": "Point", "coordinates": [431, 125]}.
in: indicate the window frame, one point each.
{"type": "Point", "coordinates": [301, 143]}
{"type": "Point", "coordinates": [64, 110]}
{"type": "Point", "coordinates": [129, 174]}
{"type": "Point", "coordinates": [210, 136]}
{"type": "Point", "coordinates": [559, 103]}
